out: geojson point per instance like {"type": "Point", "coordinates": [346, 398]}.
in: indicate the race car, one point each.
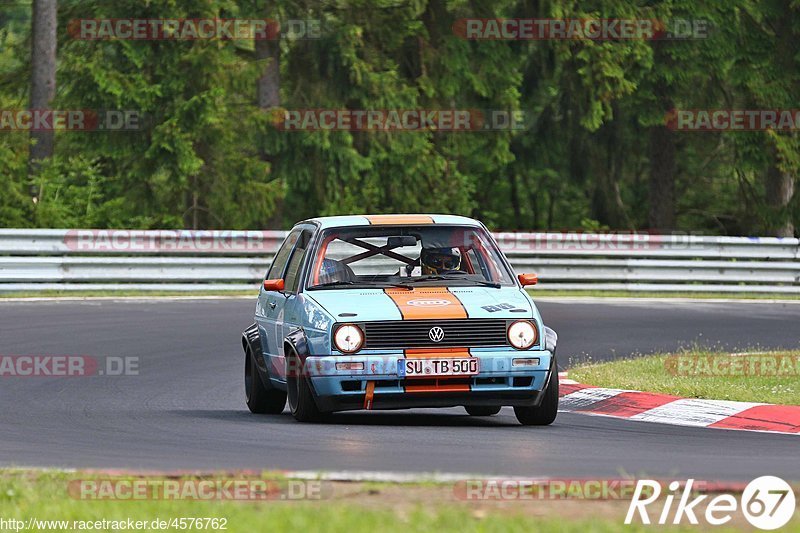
{"type": "Point", "coordinates": [394, 312]}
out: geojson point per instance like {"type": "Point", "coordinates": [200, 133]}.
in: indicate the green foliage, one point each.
{"type": "Point", "coordinates": [207, 156]}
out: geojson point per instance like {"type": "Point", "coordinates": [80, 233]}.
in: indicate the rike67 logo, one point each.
{"type": "Point", "coordinates": [768, 503]}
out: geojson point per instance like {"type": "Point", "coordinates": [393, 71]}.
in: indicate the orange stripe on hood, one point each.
{"type": "Point", "coordinates": [399, 219]}
{"type": "Point", "coordinates": [427, 303]}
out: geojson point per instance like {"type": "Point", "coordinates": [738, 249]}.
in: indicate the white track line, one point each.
{"type": "Point", "coordinates": [694, 412]}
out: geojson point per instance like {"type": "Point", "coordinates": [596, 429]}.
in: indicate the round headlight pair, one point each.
{"type": "Point", "coordinates": [348, 338]}
{"type": "Point", "coordinates": [522, 334]}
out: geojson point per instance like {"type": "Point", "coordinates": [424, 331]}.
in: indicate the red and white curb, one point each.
{"type": "Point", "coordinates": [674, 410]}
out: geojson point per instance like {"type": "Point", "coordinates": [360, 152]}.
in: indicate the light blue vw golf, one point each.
{"type": "Point", "coordinates": [394, 312]}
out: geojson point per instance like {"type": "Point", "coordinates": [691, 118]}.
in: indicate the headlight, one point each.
{"type": "Point", "coordinates": [348, 338]}
{"type": "Point", "coordinates": [522, 334]}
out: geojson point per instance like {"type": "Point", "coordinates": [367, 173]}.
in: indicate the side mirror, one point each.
{"type": "Point", "coordinates": [273, 285]}
{"type": "Point", "coordinates": [528, 279]}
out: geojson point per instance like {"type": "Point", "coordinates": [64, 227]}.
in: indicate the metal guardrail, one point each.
{"type": "Point", "coordinates": [178, 260]}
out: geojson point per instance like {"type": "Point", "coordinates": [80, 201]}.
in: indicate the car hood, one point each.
{"type": "Point", "coordinates": [424, 303]}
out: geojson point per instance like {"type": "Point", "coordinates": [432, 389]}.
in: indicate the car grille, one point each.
{"type": "Point", "coordinates": [475, 332]}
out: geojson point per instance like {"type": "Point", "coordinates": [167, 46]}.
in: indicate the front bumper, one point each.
{"type": "Point", "coordinates": [499, 383]}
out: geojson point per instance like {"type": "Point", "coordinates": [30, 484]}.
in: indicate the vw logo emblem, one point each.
{"type": "Point", "coordinates": [436, 334]}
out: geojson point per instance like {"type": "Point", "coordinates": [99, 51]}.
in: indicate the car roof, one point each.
{"type": "Point", "coordinates": [390, 220]}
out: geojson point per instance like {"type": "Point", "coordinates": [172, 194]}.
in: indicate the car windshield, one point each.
{"type": "Point", "coordinates": [408, 256]}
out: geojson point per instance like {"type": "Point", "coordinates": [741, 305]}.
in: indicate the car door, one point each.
{"type": "Point", "coordinates": [292, 316]}
{"type": "Point", "coordinates": [270, 305]}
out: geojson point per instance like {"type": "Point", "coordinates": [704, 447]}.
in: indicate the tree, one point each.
{"type": "Point", "coordinates": [43, 77]}
{"type": "Point", "coordinates": [663, 165]}
{"type": "Point", "coordinates": [595, 154]}
{"type": "Point", "coordinates": [767, 77]}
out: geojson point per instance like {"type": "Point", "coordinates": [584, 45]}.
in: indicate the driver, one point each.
{"type": "Point", "coordinates": [440, 260]}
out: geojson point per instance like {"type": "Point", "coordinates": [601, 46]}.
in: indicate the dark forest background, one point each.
{"type": "Point", "coordinates": [596, 153]}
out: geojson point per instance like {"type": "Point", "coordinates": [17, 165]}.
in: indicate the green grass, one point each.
{"type": "Point", "coordinates": [44, 496]}
{"type": "Point", "coordinates": [660, 374]}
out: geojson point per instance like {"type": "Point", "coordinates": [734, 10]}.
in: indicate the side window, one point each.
{"type": "Point", "coordinates": [473, 262]}
{"type": "Point", "coordinates": [279, 263]}
{"type": "Point", "coordinates": [292, 278]}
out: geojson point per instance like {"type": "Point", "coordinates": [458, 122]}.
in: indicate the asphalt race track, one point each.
{"type": "Point", "coordinates": [185, 410]}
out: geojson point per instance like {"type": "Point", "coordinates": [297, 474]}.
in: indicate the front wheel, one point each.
{"type": "Point", "coordinates": [481, 410]}
{"type": "Point", "coordinates": [546, 412]}
{"type": "Point", "coordinates": [260, 399]}
{"type": "Point", "coordinates": [301, 399]}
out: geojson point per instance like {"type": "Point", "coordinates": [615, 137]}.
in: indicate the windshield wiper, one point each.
{"type": "Point", "coordinates": [428, 278]}
{"type": "Point", "coordinates": [481, 282]}
{"type": "Point", "coordinates": [360, 284]}
{"type": "Point", "coordinates": [399, 285]}
{"type": "Point", "coordinates": [332, 284]}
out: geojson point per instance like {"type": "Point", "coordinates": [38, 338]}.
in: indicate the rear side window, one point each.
{"type": "Point", "coordinates": [292, 277]}
{"type": "Point", "coordinates": [279, 263]}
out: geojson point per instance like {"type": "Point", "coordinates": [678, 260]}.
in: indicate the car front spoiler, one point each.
{"type": "Point", "coordinates": [411, 400]}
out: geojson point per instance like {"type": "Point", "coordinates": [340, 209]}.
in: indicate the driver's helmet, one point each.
{"type": "Point", "coordinates": [332, 271]}
{"type": "Point", "coordinates": [440, 260]}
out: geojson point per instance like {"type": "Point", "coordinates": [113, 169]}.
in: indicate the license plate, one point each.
{"type": "Point", "coordinates": [423, 368]}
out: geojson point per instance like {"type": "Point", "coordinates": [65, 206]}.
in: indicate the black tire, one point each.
{"type": "Point", "coordinates": [261, 399]}
{"type": "Point", "coordinates": [546, 413]}
{"type": "Point", "coordinates": [301, 399]}
{"type": "Point", "coordinates": [480, 410]}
